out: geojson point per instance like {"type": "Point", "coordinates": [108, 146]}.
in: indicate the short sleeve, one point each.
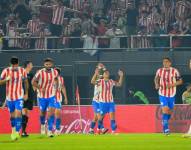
{"type": "Point", "coordinates": [37, 75]}
{"type": "Point", "coordinates": [4, 74]}
{"type": "Point", "coordinates": [177, 75]}
{"type": "Point", "coordinates": [158, 73]}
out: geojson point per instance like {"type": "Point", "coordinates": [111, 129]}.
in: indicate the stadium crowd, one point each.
{"type": "Point", "coordinates": [92, 24]}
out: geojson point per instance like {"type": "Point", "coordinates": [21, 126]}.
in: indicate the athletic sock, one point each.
{"type": "Point", "coordinates": [92, 126]}
{"type": "Point", "coordinates": [113, 125]}
{"type": "Point", "coordinates": [12, 120]}
{"type": "Point", "coordinates": [169, 116]}
{"type": "Point", "coordinates": [58, 123]}
{"type": "Point", "coordinates": [50, 122]}
{"type": "Point", "coordinates": [189, 131]}
{"type": "Point", "coordinates": [24, 123]}
{"type": "Point", "coordinates": [165, 122]}
{"type": "Point", "coordinates": [42, 120]}
{"type": "Point", "coordinates": [100, 124]}
{"type": "Point", "coordinates": [18, 121]}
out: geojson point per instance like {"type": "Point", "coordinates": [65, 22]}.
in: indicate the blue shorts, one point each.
{"type": "Point", "coordinates": [167, 101]}
{"type": "Point", "coordinates": [58, 105]}
{"type": "Point", "coordinates": [12, 105]}
{"type": "Point", "coordinates": [106, 108]}
{"type": "Point", "coordinates": [45, 103]}
{"type": "Point", "coordinates": [95, 106]}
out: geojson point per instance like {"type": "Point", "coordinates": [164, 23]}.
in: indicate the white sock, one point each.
{"type": "Point", "coordinates": [189, 131]}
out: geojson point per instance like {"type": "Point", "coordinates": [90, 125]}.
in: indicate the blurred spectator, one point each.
{"type": "Point", "coordinates": [143, 41]}
{"type": "Point", "coordinates": [101, 30]}
{"type": "Point", "coordinates": [90, 42]}
{"type": "Point", "coordinates": [112, 12]}
{"type": "Point", "coordinates": [159, 41]}
{"type": "Point", "coordinates": [187, 31]}
{"type": "Point", "coordinates": [41, 42]}
{"type": "Point", "coordinates": [33, 27]}
{"type": "Point", "coordinates": [153, 3]}
{"type": "Point", "coordinates": [182, 11]}
{"type": "Point", "coordinates": [33, 5]}
{"type": "Point", "coordinates": [176, 41]}
{"type": "Point", "coordinates": [66, 34]}
{"type": "Point", "coordinates": [155, 18]}
{"type": "Point", "coordinates": [122, 22]}
{"type": "Point", "coordinates": [132, 17]}
{"type": "Point", "coordinates": [167, 11]}
{"type": "Point", "coordinates": [112, 33]}
{"type": "Point", "coordinates": [76, 42]}
{"type": "Point", "coordinates": [1, 37]}
{"type": "Point", "coordinates": [22, 12]}
{"type": "Point", "coordinates": [12, 33]}
{"type": "Point", "coordinates": [145, 21]}
{"type": "Point", "coordinates": [87, 24]}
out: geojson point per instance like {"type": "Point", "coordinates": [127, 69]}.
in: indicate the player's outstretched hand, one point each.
{"type": "Point", "coordinates": [120, 73]}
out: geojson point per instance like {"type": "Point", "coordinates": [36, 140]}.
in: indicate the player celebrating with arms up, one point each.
{"type": "Point", "coordinates": [95, 102]}
{"type": "Point", "coordinates": [166, 81]}
{"type": "Point", "coordinates": [43, 81]}
{"type": "Point", "coordinates": [106, 103]}
{"type": "Point", "coordinates": [59, 89]}
{"type": "Point", "coordinates": [13, 77]}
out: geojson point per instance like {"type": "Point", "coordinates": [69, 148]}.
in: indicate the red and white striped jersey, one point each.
{"type": "Point", "coordinates": [45, 79]}
{"type": "Point", "coordinates": [147, 22]}
{"type": "Point", "coordinates": [76, 4]}
{"type": "Point", "coordinates": [58, 15]}
{"type": "Point", "coordinates": [33, 26]}
{"type": "Point", "coordinates": [14, 88]}
{"type": "Point", "coordinates": [58, 85]}
{"type": "Point", "coordinates": [11, 32]}
{"type": "Point", "coordinates": [152, 3]}
{"type": "Point", "coordinates": [167, 76]}
{"type": "Point", "coordinates": [105, 90]}
{"type": "Point", "coordinates": [112, 15]}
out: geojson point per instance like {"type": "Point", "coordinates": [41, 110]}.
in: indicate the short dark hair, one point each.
{"type": "Point", "coordinates": [167, 58]}
{"type": "Point", "coordinates": [14, 60]}
{"type": "Point", "coordinates": [58, 70]}
{"type": "Point", "coordinates": [48, 60]}
{"type": "Point", "coordinates": [25, 64]}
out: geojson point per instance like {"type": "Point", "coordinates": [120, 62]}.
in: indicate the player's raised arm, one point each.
{"type": "Point", "coordinates": [95, 76]}
{"type": "Point", "coordinates": [120, 81]}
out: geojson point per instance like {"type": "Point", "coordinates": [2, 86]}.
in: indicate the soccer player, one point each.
{"type": "Point", "coordinates": [59, 90]}
{"type": "Point", "coordinates": [166, 80]}
{"type": "Point", "coordinates": [28, 104]}
{"type": "Point", "coordinates": [43, 82]}
{"type": "Point", "coordinates": [95, 102]}
{"type": "Point", "coordinates": [106, 103]}
{"type": "Point", "coordinates": [13, 77]}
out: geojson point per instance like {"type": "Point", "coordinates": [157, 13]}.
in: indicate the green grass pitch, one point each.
{"type": "Point", "coordinates": [98, 142]}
